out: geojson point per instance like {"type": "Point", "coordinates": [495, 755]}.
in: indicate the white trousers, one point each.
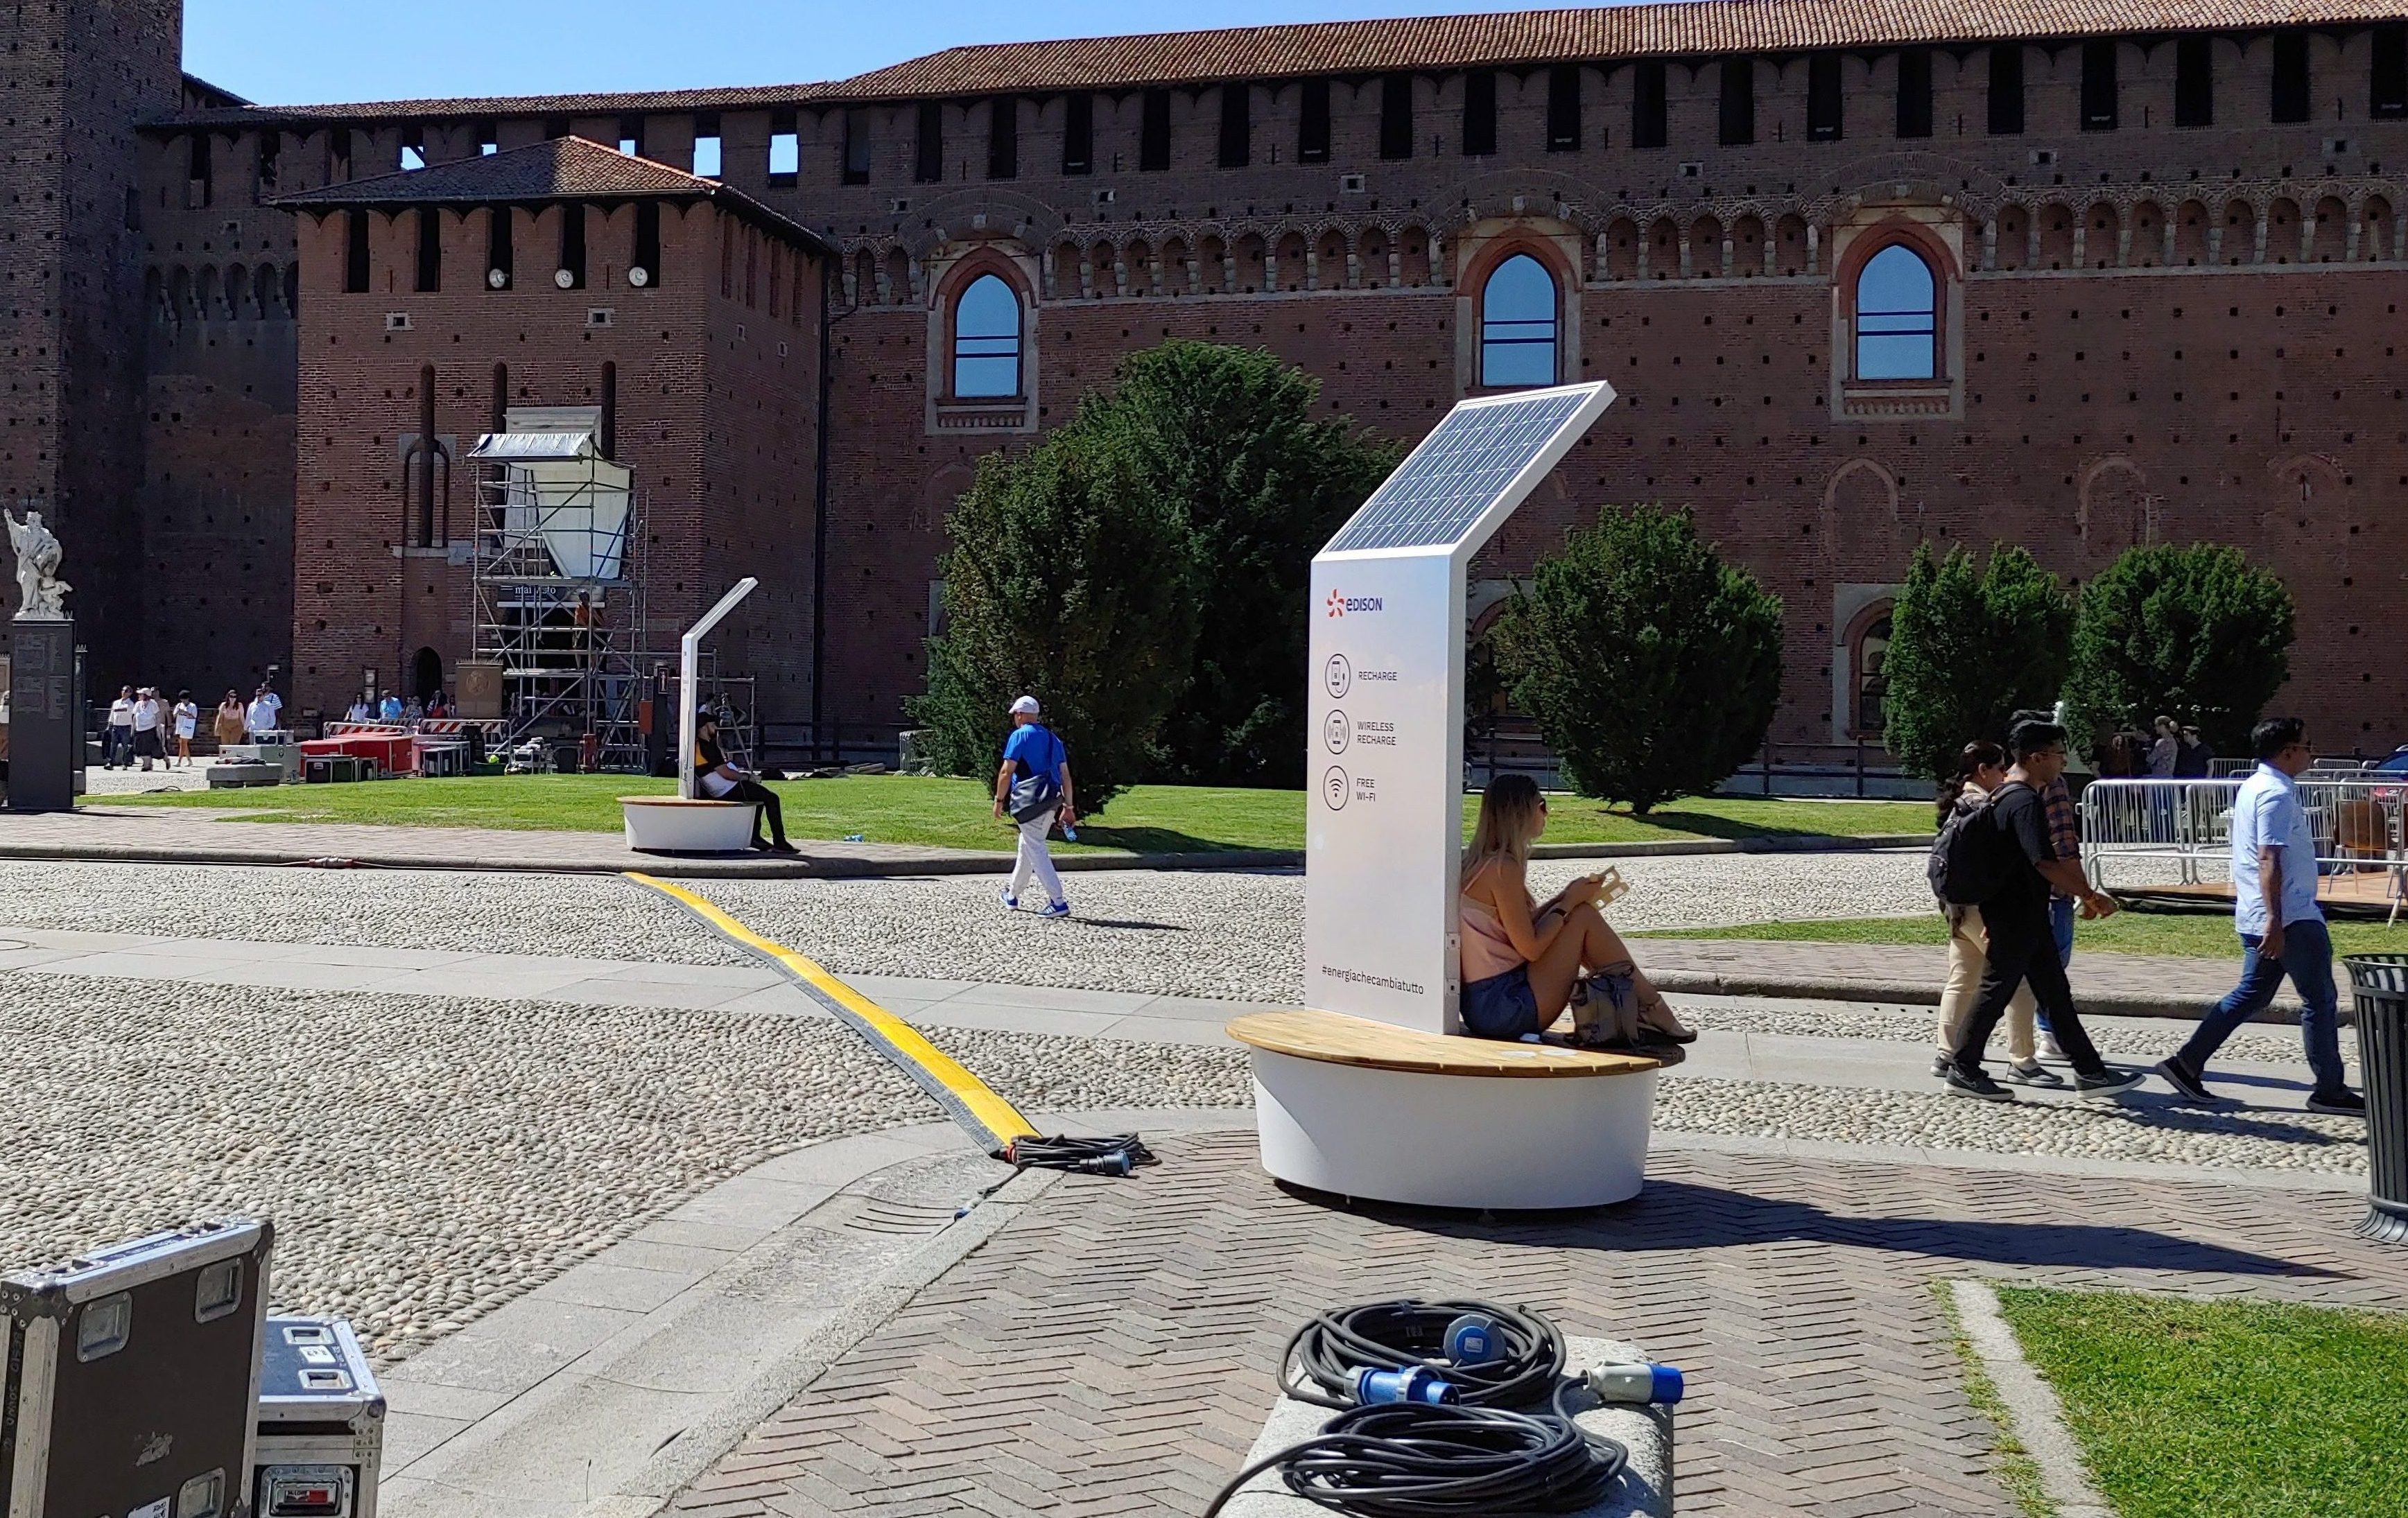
{"type": "Point", "coordinates": [1035, 860]}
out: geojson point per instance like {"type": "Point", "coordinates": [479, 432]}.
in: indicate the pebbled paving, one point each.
{"type": "Point", "coordinates": [1112, 1352]}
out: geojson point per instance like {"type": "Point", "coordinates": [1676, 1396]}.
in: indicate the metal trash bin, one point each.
{"type": "Point", "coordinates": [2379, 990]}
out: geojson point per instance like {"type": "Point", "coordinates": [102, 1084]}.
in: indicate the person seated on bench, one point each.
{"type": "Point", "coordinates": [715, 777]}
{"type": "Point", "coordinates": [1523, 965]}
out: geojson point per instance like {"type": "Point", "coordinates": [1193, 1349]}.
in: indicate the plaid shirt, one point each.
{"type": "Point", "coordinates": [2064, 832]}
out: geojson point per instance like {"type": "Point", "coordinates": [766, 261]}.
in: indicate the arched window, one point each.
{"type": "Point", "coordinates": [1872, 678]}
{"type": "Point", "coordinates": [1896, 310]}
{"type": "Point", "coordinates": [1517, 324]}
{"type": "Point", "coordinates": [986, 339]}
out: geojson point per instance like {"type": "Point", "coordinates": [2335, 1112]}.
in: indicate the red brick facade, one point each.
{"type": "Point", "coordinates": [2145, 331]}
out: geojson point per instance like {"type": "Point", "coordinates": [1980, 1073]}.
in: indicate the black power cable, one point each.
{"type": "Point", "coordinates": [1118, 1154]}
{"type": "Point", "coordinates": [1415, 1460]}
{"type": "Point", "coordinates": [1323, 1360]}
{"type": "Point", "coordinates": [1506, 1443]}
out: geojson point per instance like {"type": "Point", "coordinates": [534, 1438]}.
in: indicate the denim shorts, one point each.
{"type": "Point", "coordinates": [1501, 1006]}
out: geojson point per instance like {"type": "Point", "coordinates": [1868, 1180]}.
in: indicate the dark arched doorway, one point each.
{"type": "Point", "coordinates": [426, 674]}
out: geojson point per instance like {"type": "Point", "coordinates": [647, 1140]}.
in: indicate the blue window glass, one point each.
{"type": "Point", "coordinates": [1517, 324]}
{"type": "Point", "coordinates": [1896, 310]}
{"type": "Point", "coordinates": [986, 340]}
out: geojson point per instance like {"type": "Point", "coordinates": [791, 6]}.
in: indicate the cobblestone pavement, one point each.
{"type": "Point", "coordinates": [1234, 935]}
{"type": "Point", "coordinates": [1112, 1352]}
{"type": "Point", "coordinates": [424, 1158]}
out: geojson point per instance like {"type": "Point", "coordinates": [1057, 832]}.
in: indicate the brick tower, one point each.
{"type": "Point", "coordinates": [78, 77]}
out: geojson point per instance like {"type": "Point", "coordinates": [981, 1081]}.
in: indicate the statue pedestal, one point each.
{"type": "Point", "coordinates": [45, 724]}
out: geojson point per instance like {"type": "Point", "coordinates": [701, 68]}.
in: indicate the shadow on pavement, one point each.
{"type": "Point", "coordinates": [1682, 1215]}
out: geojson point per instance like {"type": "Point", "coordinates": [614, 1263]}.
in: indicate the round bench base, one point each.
{"type": "Point", "coordinates": [1452, 1141]}
{"type": "Point", "coordinates": [670, 824]}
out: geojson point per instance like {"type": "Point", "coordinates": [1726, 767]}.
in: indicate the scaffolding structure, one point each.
{"type": "Point", "coordinates": [559, 587]}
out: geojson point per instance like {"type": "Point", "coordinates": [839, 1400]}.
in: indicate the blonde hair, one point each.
{"type": "Point", "coordinates": [1511, 815]}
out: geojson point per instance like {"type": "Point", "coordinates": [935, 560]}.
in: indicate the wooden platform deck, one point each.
{"type": "Point", "coordinates": [2358, 894]}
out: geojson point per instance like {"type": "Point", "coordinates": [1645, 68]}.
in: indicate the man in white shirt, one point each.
{"type": "Point", "coordinates": [264, 714]}
{"type": "Point", "coordinates": [117, 747]}
{"type": "Point", "coordinates": [2281, 923]}
{"type": "Point", "coordinates": [147, 716]}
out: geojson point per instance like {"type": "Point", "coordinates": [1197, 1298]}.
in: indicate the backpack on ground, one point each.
{"type": "Point", "coordinates": [1969, 862]}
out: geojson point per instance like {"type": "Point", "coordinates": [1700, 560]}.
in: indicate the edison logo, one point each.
{"type": "Point", "coordinates": [1340, 604]}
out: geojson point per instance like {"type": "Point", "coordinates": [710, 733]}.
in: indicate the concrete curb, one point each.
{"type": "Point", "coordinates": [1926, 994]}
{"type": "Point", "coordinates": [2032, 1406]}
{"type": "Point", "coordinates": [687, 1457]}
{"type": "Point", "coordinates": [962, 862]}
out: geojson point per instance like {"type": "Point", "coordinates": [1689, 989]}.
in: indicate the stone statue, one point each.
{"type": "Point", "coordinates": [39, 589]}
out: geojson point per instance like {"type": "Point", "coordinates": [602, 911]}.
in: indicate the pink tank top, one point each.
{"type": "Point", "coordinates": [1486, 951]}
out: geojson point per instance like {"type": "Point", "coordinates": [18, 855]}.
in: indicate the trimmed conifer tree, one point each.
{"type": "Point", "coordinates": [1228, 437]}
{"type": "Point", "coordinates": [1966, 650]}
{"type": "Point", "coordinates": [1651, 666]}
{"type": "Point", "coordinates": [1072, 579]}
{"type": "Point", "coordinates": [2197, 633]}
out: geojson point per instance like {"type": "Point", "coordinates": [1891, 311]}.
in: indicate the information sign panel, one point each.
{"type": "Point", "coordinates": [1384, 755]}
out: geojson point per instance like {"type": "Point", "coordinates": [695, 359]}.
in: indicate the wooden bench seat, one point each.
{"type": "Point", "coordinates": [1340, 1039]}
{"type": "Point", "coordinates": [1365, 1109]}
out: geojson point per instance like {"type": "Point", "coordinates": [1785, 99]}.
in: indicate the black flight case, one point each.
{"type": "Point", "coordinates": [321, 1422]}
{"type": "Point", "coordinates": [131, 1376]}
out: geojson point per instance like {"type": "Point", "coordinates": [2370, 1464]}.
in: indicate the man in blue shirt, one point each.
{"type": "Point", "coordinates": [1034, 787]}
{"type": "Point", "coordinates": [2282, 927]}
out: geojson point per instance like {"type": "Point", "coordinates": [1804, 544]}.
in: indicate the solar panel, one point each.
{"type": "Point", "coordinates": [1467, 464]}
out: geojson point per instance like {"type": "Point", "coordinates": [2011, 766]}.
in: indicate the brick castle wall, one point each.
{"type": "Point", "coordinates": [2155, 333]}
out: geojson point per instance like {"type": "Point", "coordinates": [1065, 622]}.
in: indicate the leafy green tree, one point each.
{"type": "Point", "coordinates": [1072, 579]}
{"type": "Point", "coordinates": [2193, 633]}
{"type": "Point", "coordinates": [1966, 650]}
{"type": "Point", "coordinates": [1653, 667]}
{"type": "Point", "coordinates": [1227, 437]}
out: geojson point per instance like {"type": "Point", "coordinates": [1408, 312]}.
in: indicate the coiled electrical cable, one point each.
{"type": "Point", "coordinates": [1411, 1460]}
{"type": "Point", "coordinates": [1117, 1154]}
{"type": "Point", "coordinates": [1323, 1361]}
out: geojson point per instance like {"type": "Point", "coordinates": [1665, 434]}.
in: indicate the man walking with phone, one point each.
{"type": "Point", "coordinates": [2282, 926]}
{"type": "Point", "coordinates": [1034, 786]}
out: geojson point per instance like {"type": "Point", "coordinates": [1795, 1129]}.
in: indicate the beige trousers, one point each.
{"type": "Point", "coordinates": [1968, 957]}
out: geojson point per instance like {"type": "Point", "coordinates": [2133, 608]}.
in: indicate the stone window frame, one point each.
{"type": "Point", "coordinates": [1935, 234]}
{"type": "Point", "coordinates": [1481, 258]}
{"type": "Point", "coordinates": [947, 413]}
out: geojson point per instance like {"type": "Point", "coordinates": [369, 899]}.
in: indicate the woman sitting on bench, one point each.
{"type": "Point", "coordinates": [1523, 965]}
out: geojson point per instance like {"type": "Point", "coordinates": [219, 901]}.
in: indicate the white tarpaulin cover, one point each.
{"type": "Point", "coordinates": [561, 493]}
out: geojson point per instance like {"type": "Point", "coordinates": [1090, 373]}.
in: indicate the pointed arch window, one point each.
{"type": "Point", "coordinates": [1517, 324]}
{"type": "Point", "coordinates": [986, 340]}
{"type": "Point", "coordinates": [1897, 317]}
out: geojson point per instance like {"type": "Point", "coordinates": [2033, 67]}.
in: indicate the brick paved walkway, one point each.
{"type": "Point", "coordinates": [1113, 1351]}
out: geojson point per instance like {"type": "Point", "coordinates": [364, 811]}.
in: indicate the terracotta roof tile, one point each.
{"type": "Point", "coordinates": [1681, 28]}
{"type": "Point", "coordinates": [1686, 27]}
{"type": "Point", "coordinates": [560, 168]}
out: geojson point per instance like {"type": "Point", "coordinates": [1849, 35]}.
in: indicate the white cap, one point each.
{"type": "Point", "coordinates": [1026, 706]}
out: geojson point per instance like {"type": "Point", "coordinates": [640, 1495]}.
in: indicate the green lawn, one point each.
{"type": "Point", "coordinates": [2202, 1409]}
{"type": "Point", "coordinates": [2197, 935]}
{"type": "Point", "coordinates": [954, 813]}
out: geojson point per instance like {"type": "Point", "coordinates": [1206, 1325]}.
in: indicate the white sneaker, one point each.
{"type": "Point", "coordinates": [1010, 902]}
{"type": "Point", "coordinates": [2049, 1052]}
{"type": "Point", "coordinates": [1055, 908]}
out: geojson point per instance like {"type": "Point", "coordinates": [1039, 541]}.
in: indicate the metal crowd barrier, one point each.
{"type": "Point", "coordinates": [2174, 838]}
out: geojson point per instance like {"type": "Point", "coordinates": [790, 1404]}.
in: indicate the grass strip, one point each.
{"type": "Point", "coordinates": [2185, 934]}
{"type": "Point", "coordinates": [955, 813]}
{"type": "Point", "coordinates": [2190, 1408]}
{"type": "Point", "coordinates": [2013, 1465]}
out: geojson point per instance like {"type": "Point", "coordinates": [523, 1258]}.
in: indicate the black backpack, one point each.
{"type": "Point", "coordinates": [1969, 860]}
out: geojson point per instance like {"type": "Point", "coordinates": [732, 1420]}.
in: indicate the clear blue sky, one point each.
{"type": "Point", "coordinates": [310, 52]}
